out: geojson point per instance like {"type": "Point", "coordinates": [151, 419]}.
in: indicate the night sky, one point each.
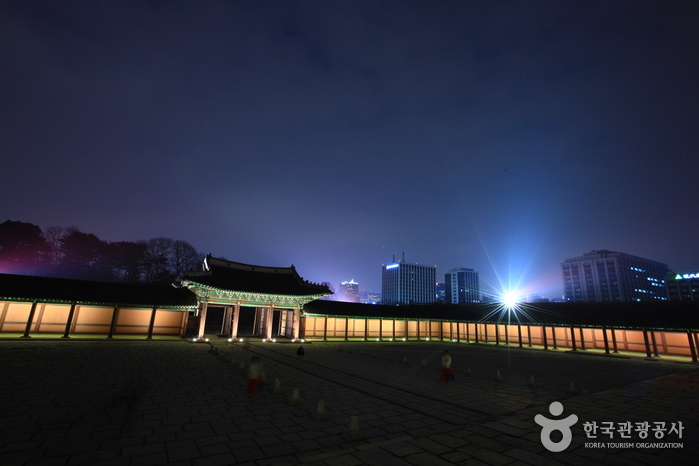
{"type": "Point", "coordinates": [499, 136]}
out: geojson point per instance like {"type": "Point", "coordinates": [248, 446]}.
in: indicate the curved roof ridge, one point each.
{"type": "Point", "coordinates": [215, 261]}
{"type": "Point", "coordinates": [229, 275]}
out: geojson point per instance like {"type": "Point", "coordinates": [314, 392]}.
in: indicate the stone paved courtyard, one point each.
{"type": "Point", "coordinates": [177, 402]}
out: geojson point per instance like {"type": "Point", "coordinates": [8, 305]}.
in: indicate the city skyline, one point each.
{"type": "Point", "coordinates": [332, 136]}
{"type": "Point", "coordinates": [52, 267]}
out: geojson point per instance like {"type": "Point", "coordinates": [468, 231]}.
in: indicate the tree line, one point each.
{"type": "Point", "coordinates": [70, 253]}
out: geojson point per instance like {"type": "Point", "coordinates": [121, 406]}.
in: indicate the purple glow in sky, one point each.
{"type": "Point", "coordinates": [499, 136]}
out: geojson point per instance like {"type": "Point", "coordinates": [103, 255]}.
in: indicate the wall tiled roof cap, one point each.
{"type": "Point", "coordinates": [63, 290]}
{"type": "Point", "coordinates": [665, 315]}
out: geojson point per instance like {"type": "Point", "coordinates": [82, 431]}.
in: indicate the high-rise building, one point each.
{"type": "Point", "coordinates": [462, 286]}
{"type": "Point", "coordinates": [604, 275]}
{"type": "Point", "coordinates": [441, 292]}
{"type": "Point", "coordinates": [349, 292]}
{"type": "Point", "coordinates": [369, 297]}
{"type": "Point", "coordinates": [682, 286]}
{"type": "Point", "coordinates": [404, 283]}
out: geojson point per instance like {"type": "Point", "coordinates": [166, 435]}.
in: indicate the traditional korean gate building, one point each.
{"type": "Point", "coordinates": [269, 290]}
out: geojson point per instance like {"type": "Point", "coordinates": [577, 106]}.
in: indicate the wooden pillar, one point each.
{"type": "Point", "coordinates": [553, 333]}
{"type": "Point", "coordinates": [255, 325]}
{"type": "Point", "coordinates": [572, 337]}
{"type": "Point", "coordinates": [614, 341]}
{"type": "Point", "coordinates": [529, 335]}
{"type": "Point", "coordinates": [645, 340]}
{"type": "Point", "coordinates": [692, 347]}
{"type": "Point", "coordinates": [441, 330]}
{"type": "Point", "coordinates": [366, 328]}
{"type": "Point", "coordinates": [394, 328]}
{"type": "Point", "coordinates": [346, 328]}
{"type": "Point", "coordinates": [301, 326]}
{"type": "Point", "coordinates": [202, 320]}
{"type": "Point", "coordinates": [582, 339]}
{"type": "Point", "coordinates": [39, 317]}
{"type": "Point", "coordinates": [380, 329]}
{"type": "Point", "coordinates": [476, 331]}
{"type": "Point", "coordinates": [407, 330]}
{"type": "Point", "coordinates": [468, 333]}
{"type": "Point", "coordinates": [183, 323]}
{"type": "Point", "coordinates": [325, 329]}
{"type": "Point", "coordinates": [32, 311]}
{"type": "Point", "coordinates": [236, 320]}
{"type": "Point", "coordinates": [519, 334]}
{"type": "Point", "coordinates": [497, 333]}
{"type": "Point", "coordinates": [606, 340]}
{"type": "Point", "coordinates": [268, 321]}
{"type": "Point", "coordinates": [112, 326]}
{"type": "Point", "coordinates": [261, 330]}
{"type": "Point", "coordinates": [429, 329]}
{"type": "Point", "coordinates": [151, 323]}
{"type": "Point", "coordinates": [485, 333]}
{"type": "Point", "coordinates": [226, 323]}
{"type": "Point", "coordinates": [5, 307]}
{"type": "Point", "coordinates": [546, 340]}
{"type": "Point", "coordinates": [507, 334]}
{"type": "Point", "coordinates": [69, 322]}
{"type": "Point", "coordinates": [655, 345]}
{"type": "Point", "coordinates": [458, 332]}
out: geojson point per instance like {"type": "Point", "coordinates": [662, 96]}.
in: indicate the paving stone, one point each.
{"type": "Point", "coordinates": [448, 440]}
{"type": "Point", "coordinates": [431, 446]}
{"type": "Point", "coordinates": [455, 457]}
{"type": "Point", "coordinates": [346, 460]}
{"type": "Point", "coordinates": [214, 450]}
{"type": "Point", "coordinates": [55, 461]}
{"type": "Point", "coordinates": [95, 456]}
{"type": "Point", "coordinates": [402, 449]}
{"type": "Point", "coordinates": [426, 459]}
{"type": "Point", "coordinates": [182, 453]}
{"type": "Point", "coordinates": [145, 460]}
{"type": "Point", "coordinates": [492, 457]}
{"type": "Point", "coordinates": [379, 457]}
{"type": "Point", "coordinates": [532, 458]}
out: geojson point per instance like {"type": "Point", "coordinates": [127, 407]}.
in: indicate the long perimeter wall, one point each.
{"type": "Point", "coordinates": [650, 342]}
{"type": "Point", "coordinates": [74, 319]}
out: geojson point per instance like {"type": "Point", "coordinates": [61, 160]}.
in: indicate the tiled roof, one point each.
{"type": "Point", "coordinates": [55, 290]}
{"type": "Point", "coordinates": [235, 276]}
{"type": "Point", "coordinates": [651, 315]}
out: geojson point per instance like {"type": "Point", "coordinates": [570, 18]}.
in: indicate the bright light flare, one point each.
{"type": "Point", "coordinates": [510, 299]}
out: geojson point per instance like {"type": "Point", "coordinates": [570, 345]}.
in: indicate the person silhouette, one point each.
{"type": "Point", "coordinates": [446, 368]}
{"type": "Point", "coordinates": [300, 351]}
{"type": "Point", "coordinates": [255, 375]}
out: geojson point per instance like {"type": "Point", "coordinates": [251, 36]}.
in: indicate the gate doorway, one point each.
{"type": "Point", "coordinates": [276, 318]}
{"type": "Point", "coordinates": [246, 322]}
{"type": "Point", "coordinates": [214, 320]}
